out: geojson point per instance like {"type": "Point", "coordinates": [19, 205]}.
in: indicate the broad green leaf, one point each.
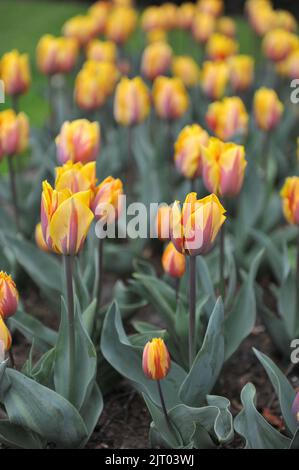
{"type": "Point", "coordinates": [223, 427]}
{"type": "Point", "coordinates": [17, 437]}
{"type": "Point", "coordinates": [206, 283]}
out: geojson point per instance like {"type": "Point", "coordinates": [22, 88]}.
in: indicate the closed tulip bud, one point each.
{"type": "Point", "coordinates": [14, 132]}
{"type": "Point", "coordinates": [278, 44]}
{"type": "Point", "coordinates": [83, 28]}
{"type": "Point", "coordinates": [9, 296]}
{"type": "Point", "coordinates": [5, 337]}
{"type": "Point", "coordinates": [152, 19]}
{"type": "Point", "coordinates": [15, 73]}
{"type": "Point", "coordinates": [185, 15]}
{"type": "Point", "coordinates": [65, 219]}
{"type": "Point", "coordinates": [261, 16]}
{"type": "Point", "coordinates": [121, 23]}
{"type": "Point", "coordinates": [291, 65]}
{"type": "Point", "coordinates": [285, 20]}
{"type": "Point", "coordinates": [214, 79]}
{"type": "Point", "coordinates": [163, 223]}
{"type": "Point", "coordinates": [226, 26]}
{"type": "Point", "coordinates": [268, 108]}
{"type": "Point", "coordinates": [94, 84]}
{"type": "Point", "coordinates": [131, 102]}
{"type": "Point", "coordinates": [212, 7]}
{"type": "Point", "coordinates": [223, 167]}
{"type": "Point", "coordinates": [194, 227]}
{"type": "Point", "coordinates": [188, 150]}
{"type": "Point", "coordinates": [100, 10]}
{"type": "Point", "coordinates": [185, 68]}
{"type": "Point", "coordinates": [241, 72]}
{"type": "Point", "coordinates": [170, 98]}
{"type": "Point", "coordinates": [78, 141]}
{"type": "Point", "coordinates": [173, 262]}
{"type": "Point", "coordinates": [156, 35]}
{"type": "Point", "coordinates": [295, 409]}
{"type": "Point", "coordinates": [102, 51]}
{"type": "Point", "coordinates": [290, 199]}
{"type": "Point", "coordinates": [56, 55]}
{"type": "Point", "coordinates": [39, 238]}
{"type": "Point", "coordinates": [227, 118]}
{"type": "Point", "coordinates": [76, 177]}
{"type": "Point", "coordinates": [169, 12]}
{"type": "Point", "coordinates": [107, 204]}
{"type": "Point", "coordinates": [156, 359]}
{"type": "Point", "coordinates": [220, 47]}
{"type": "Point", "coordinates": [156, 60]}
{"type": "Point", "coordinates": [203, 27]}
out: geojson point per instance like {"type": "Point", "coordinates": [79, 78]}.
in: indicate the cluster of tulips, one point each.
{"type": "Point", "coordinates": [197, 117]}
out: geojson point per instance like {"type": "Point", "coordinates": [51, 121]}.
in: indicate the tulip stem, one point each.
{"type": "Point", "coordinates": [68, 265]}
{"type": "Point", "coordinates": [164, 407]}
{"type": "Point", "coordinates": [52, 107]}
{"type": "Point", "coordinates": [130, 146]}
{"type": "Point", "coordinates": [100, 272]}
{"type": "Point", "coordinates": [13, 189]}
{"type": "Point", "coordinates": [15, 103]}
{"type": "Point", "coordinates": [222, 261]}
{"type": "Point", "coordinates": [11, 358]}
{"type": "Point", "coordinates": [192, 308]}
{"type": "Point", "coordinates": [297, 276]}
{"type": "Point", "coordinates": [177, 288]}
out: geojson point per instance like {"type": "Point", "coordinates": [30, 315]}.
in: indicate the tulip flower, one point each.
{"type": "Point", "coordinates": [203, 27]}
{"type": "Point", "coordinates": [185, 15]}
{"type": "Point", "coordinates": [185, 68]}
{"type": "Point", "coordinates": [102, 51]}
{"type": "Point", "coordinates": [267, 109]}
{"type": "Point", "coordinates": [241, 72]}
{"type": "Point", "coordinates": [131, 102]}
{"type": "Point", "coordinates": [163, 223]}
{"type": "Point", "coordinates": [261, 16]}
{"type": "Point", "coordinates": [39, 238]}
{"type": "Point", "coordinates": [76, 177]}
{"type": "Point", "coordinates": [9, 296]}
{"type": "Point", "coordinates": [227, 26]}
{"type": "Point", "coordinates": [156, 359]}
{"type": "Point", "coordinates": [78, 141]}
{"type": "Point", "coordinates": [227, 118]}
{"type": "Point", "coordinates": [156, 60]}
{"type": "Point", "coordinates": [278, 44]}
{"type": "Point", "coordinates": [214, 79]}
{"type": "Point", "coordinates": [170, 98]}
{"type": "Point", "coordinates": [15, 73]}
{"type": "Point", "coordinates": [5, 336]}
{"type": "Point", "coordinates": [56, 55]}
{"type": "Point", "coordinates": [212, 7]}
{"type": "Point", "coordinates": [292, 65]}
{"type": "Point", "coordinates": [94, 84]}
{"type": "Point", "coordinates": [295, 409]}
{"type": "Point", "coordinates": [188, 151]}
{"type": "Point", "coordinates": [152, 19]}
{"type": "Point", "coordinates": [173, 262]}
{"type": "Point", "coordinates": [290, 199]}
{"type": "Point", "coordinates": [285, 20]}
{"type": "Point", "coordinates": [156, 35]}
{"type": "Point", "coordinates": [83, 28]}
{"type": "Point", "coordinates": [120, 24]}
{"type": "Point", "coordinates": [220, 47]}
{"type": "Point", "coordinates": [193, 230]}
{"type": "Point", "coordinates": [169, 12]}
{"type": "Point", "coordinates": [100, 11]}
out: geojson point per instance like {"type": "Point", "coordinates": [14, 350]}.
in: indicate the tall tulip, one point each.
{"type": "Point", "coordinates": [170, 98]}
{"type": "Point", "coordinates": [156, 59]}
{"type": "Point", "coordinates": [102, 51]}
{"type": "Point", "coordinates": [227, 118]}
{"type": "Point", "coordinates": [220, 47]}
{"type": "Point", "coordinates": [214, 79]}
{"type": "Point", "coordinates": [76, 177]}
{"type": "Point", "coordinates": [56, 54]}
{"type": "Point", "coordinates": [121, 24]}
{"type": "Point", "coordinates": [78, 141]}
{"type": "Point", "coordinates": [241, 72]}
{"type": "Point", "coordinates": [15, 73]}
{"type": "Point", "coordinates": [186, 68]}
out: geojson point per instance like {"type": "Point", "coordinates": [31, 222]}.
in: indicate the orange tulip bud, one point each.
{"type": "Point", "coordinates": [56, 55]}
{"type": "Point", "coordinates": [188, 150]}
{"type": "Point", "coordinates": [156, 359]}
{"type": "Point", "coordinates": [83, 28]}
{"type": "Point", "coordinates": [9, 296]}
{"type": "Point", "coordinates": [163, 223]}
{"type": "Point", "coordinates": [14, 132]}
{"type": "Point", "coordinates": [156, 60]}
{"type": "Point", "coordinates": [185, 68]}
{"type": "Point", "coordinates": [170, 98]}
{"type": "Point", "coordinates": [131, 102]}
{"type": "Point", "coordinates": [268, 108]}
{"type": "Point", "coordinates": [39, 238]}
{"type": "Point", "coordinates": [214, 79]}
{"type": "Point", "coordinates": [203, 27]}
{"type": "Point", "coordinates": [290, 199]}
{"type": "Point", "coordinates": [241, 72]}
{"type": "Point", "coordinates": [78, 141]}
{"type": "Point", "coordinates": [223, 167]}
{"type": "Point", "coordinates": [120, 24]}
{"type": "Point", "coordinates": [173, 262]}
{"type": "Point", "coordinates": [227, 118]}
{"type": "Point", "coordinates": [76, 177]}
{"type": "Point", "coordinates": [195, 226]}
{"type": "Point", "coordinates": [106, 205]}
{"type": "Point", "coordinates": [5, 337]}
{"type": "Point", "coordinates": [220, 47]}
{"type": "Point", "coordinates": [101, 51]}
{"type": "Point", "coordinates": [15, 73]}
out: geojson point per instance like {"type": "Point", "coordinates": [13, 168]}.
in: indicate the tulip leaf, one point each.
{"type": "Point", "coordinates": [295, 441]}
{"type": "Point", "coordinates": [285, 392]}
{"type": "Point", "coordinates": [223, 426]}
{"type": "Point", "coordinates": [251, 425]}
{"type": "Point", "coordinates": [127, 360]}
{"type": "Point", "coordinates": [17, 437]}
{"type": "Point", "coordinates": [206, 283]}
{"type": "Point", "coordinates": [287, 307]}
{"type": "Point", "coordinates": [208, 362]}
{"type": "Point", "coordinates": [273, 253]}
{"type": "Point", "coordinates": [92, 410]}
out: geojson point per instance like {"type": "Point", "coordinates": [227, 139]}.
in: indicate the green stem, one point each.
{"type": "Point", "coordinates": [265, 156]}
{"type": "Point", "coordinates": [11, 358]}
{"type": "Point", "coordinates": [100, 272]}
{"type": "Point", "coordinates": [192, 307]}
{"type": "Point", "coordinates": [68, 265]}
{"type": "Point", "coordinates": [297, 276]}
{"type": "Point", "coordinates": [222, 261]}
{"type": "Point", "coordinates": [15, 103]}
{"type": "Point", "coordinates": [52, 120]}
{"type": "Point", "coordinates": [164, 407]}
{"type": "Point", "coordinates": [177, 289]}
{"type": "Point", "coordinates": [130, 147]}
{"type": "Point", "coordinates": [13, 190]}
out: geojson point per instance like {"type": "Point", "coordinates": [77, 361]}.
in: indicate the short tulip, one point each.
{"type": "Point", "coordinates": [106, 205]}
{"type": "Point", "coordinates": [120, 24]}
{"type": "Point", "coordinates": [9, 296]}
{"type": "Point", "coordinates": [214, 79]}
{"type": "Point", "coordinates": [15, 73]}
{"type": "Point", "coordinates": [78, 141]}
{"type": "Point", "coordinates": [156, 59]}
{"type": "Point", "coordinates": [83, 28]}
{"type": "Point", "coordinates": [188, 150]}
{"type": "Point", "coordinates": [268, 109]}
{"type": "Point", "coordinates": [203, 27]}
{"type": "Point", "coordinates": [76, 177]}
{"type": "Point", "coordinates": [5, 337]}
{"type": "Point", "coordinates": [163, 223]}
{"type": "Point", "coordinates": [295, 409]}
{"type": "Point", "coordinates": [220, 47]}
{"type": "Point", "coordinates": [14, 132]}
{"type": "Point", "coordinates": [227, 118]}
{"type": "Point", "coordinates": [185, 68]}
{"type": "Point", "coordinates": [223, 167]}
{"type": "Point", "coordinates": [65, 219]}
{"type": "Point", "coordinates": [102, 51]}
{"type": "Point", "coordinates": [170, 98]}
{"type": "Point", "coordinates": [173, 262]}
{"type": "Point", "coordinates": [194, 227]}
{"type": "Point", "coordinates": [131, 102]}
{"type": "Point", "coordinates": [290, 199]}
{"type": "Point", "coordinates": [241, 72]}
{"type": "Point", "coordinates": [56, 55]}
{"type": "Point", "coordinates": [156, 359]}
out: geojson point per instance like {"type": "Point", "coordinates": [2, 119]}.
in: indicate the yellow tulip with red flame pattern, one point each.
{"type": "Point", "coordinates": [76, 177]}
{"type": "Point", "coordinates": [156, 59]}
{"type": "Point", "coordinates": [156, 359]}
{"type": "Point", "coordinates": [214, 79]}
{"type": "Point", "coordinates": [189, 150]}
{"type": "Point", "coordinates": [9, 296]}
{"type": "Point", "coordinates": [78, 141]}
{"type": "Point", "coordinates": [56, 54]}
{"type": "Point", "coordinates": [290, 199]}
{"type": "Point", "coordinates": [5, 337]}
{"type": "Point", "coordinates": [267, 108]}
{"type": "Point", "coordinates": [170, 98]}
{"type": "Point", "coordinates": [173, 262]}
{"type": "Point", "coordinates": [15, 73]}
{"type": "Point", "coordinates": [131, 101]}
{"type": "Point", "coordinates": [14, 133]}
{"type": "Point", "coordinates": [227, 118]}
